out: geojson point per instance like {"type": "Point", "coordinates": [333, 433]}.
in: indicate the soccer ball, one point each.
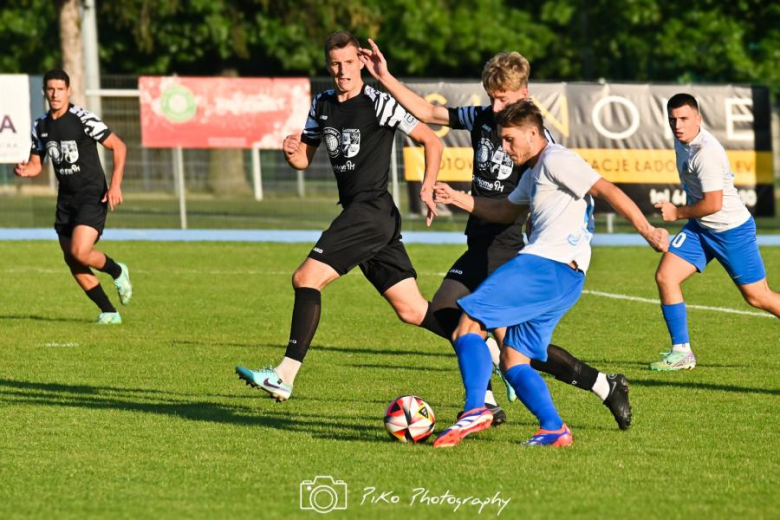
{"type": "Point", "coordinates": [409, 419]}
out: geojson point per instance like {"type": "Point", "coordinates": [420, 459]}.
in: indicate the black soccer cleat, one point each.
{"type": "Point", "coordinates": [499, 415]}
{"type": "Point", "coordinates": [617, 400]}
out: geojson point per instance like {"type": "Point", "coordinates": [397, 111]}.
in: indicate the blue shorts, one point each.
{"type": "Point", "coordinates": [736, 250]}
{"type": "Point", "coordinates": [529, 295]}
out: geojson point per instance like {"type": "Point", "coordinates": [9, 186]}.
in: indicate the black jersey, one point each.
{"type": "Point", "coordinates": [358, 135]}
{"type": "Point", "coordinates": [70, 142]}
{"type": "Point", "coordinates": [494, 174]}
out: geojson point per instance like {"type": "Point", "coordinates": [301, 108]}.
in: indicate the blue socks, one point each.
{"type": "Point", "coordinates": [476, 366]}
{"type": "Point", "coordinates": [676, 318]}
{"type": "Point", "coordinates": [533, 391]}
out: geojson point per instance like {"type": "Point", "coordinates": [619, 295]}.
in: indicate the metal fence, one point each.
{"type": "Point", "coordinates": [291, 199]}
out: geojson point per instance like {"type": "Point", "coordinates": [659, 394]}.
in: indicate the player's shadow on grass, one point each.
{"type": "Point", "coordinates": [353, 428]}
{"type": "Point", "coordinates": [402, 367]}
{"type": "Point", "coordinates": [327, 348]}
{"type": "Point", "coordinates": [705, 386]}
{"type": "Point", "coordinates": [645, 364]}
{"type": "Point", "coordinates": [34, 317]}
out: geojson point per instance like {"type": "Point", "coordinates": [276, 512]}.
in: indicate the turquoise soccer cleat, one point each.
{"type": "Point", "coordinates": [109, 318]}
{"type": "Point", "coordinates": [266, 379]}
{"type": "Point", "coordinates": [511, 396]}
{"type": "Point", "coordinates": [674, 361]}
{"type": "Point", "coordinates": [123, 286]}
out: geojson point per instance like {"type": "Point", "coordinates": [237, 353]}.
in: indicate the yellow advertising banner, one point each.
{"type": "Point", "coordinates": [619, 166]}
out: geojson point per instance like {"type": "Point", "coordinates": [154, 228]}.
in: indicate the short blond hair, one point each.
{"type": "Point", "coordinates": [506, 71]}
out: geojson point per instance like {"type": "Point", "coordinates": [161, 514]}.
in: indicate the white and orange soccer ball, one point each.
{"type": "Point", "coordinates": [409, 419]}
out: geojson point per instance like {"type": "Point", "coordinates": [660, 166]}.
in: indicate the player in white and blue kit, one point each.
{"type": "Point", "coordinates": [529, 294]}
{"type": "Point", "coordinates": [719, 226]}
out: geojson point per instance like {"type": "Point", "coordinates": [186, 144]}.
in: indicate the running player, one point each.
{"type": "Point", "coordinates": [357, 125]}
{"type": "Point", "coordinates": [67, 134]}
{"type": "Point", "coordinates": [529, 294]}
{"type": "Point", "coordinates": [490, 245]}
{"type": "Point", "coordinates": [719, 226]}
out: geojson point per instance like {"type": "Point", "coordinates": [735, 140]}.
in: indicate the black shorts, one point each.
{"type": "Point", "coordinates": [367, 234]}
{"type": "Point", "coordinates": [478, 262]}
{"type": "Point", "coordinates": [74, 212]}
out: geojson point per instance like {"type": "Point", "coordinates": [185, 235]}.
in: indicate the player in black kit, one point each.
{"type": "Point", "coordinates": [67, 134]}
{"type": "Point", "coordinates": [505, 79]}
{"type": "Point", "coordinates": [357, 125]}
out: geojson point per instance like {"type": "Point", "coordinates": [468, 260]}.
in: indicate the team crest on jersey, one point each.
{"type": "Point", "coordinates": [53, 151]}
{"type": "Point", "coordinates": [501, 165]}
{"type": "Point", "coordinates": [70, 151]}
{"type": "Point", "coordinates": [350, 142]}
{"type": "Point", "coordinates": [484, 153]}
{"type": "Point", "coordinates": [332, 139]}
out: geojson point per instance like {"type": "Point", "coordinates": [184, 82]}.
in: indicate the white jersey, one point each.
{"type": "Point", "coordinates": [704, 166]}
{"type": "Point", "coordinates": [556, 189]}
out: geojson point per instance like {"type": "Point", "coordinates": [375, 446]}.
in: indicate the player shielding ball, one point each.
{"type": "Point", "coordinates": [357, 124]}
{"type": "Point", "coordinates": [505, 80]}
{"type": "Point", "coordinates": [719, 227]}
{"type": "Point", "coordinates": [67, 134]}
{"type": "Point", "coordinates": [529, 294]}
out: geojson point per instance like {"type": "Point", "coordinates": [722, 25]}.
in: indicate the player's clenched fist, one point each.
{"type": "Point", "coordinates": [291, 144]}
{"type": "Point", "coordinates": [668, 210]}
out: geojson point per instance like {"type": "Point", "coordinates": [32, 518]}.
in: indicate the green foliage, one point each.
{"type": "Point", "coordinates": [572, 40]}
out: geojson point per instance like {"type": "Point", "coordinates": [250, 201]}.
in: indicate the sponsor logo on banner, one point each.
{"type": "Point", "coordinates": [221, 112]}
{"type": "Point", "coordinates": [622, 131]}
{"type": "Point", "coordinates": [15, 121]}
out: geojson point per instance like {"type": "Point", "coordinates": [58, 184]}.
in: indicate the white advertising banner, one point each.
{"type": "Point", "coordinates": [15, 121]}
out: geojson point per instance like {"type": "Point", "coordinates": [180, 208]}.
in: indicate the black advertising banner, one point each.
{"type": "Point", "coordinates": [622, 131]}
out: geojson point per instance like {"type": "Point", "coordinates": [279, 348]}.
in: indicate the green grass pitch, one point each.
{"type": "Point", "coordinates": [148, 420]}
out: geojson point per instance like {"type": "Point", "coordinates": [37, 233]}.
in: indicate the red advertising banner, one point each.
{"type": "Point", "coordinates": [221, 112]}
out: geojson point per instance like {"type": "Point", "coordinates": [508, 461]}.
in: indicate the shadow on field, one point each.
{"type": "Point", "coordinates": [445, 352]}
{"type": "Point", "coordinates": [705, 386]}
{"type": "Point", "coordinates": [33, 317]}
{"type": "Point", "coordinates": [646, 364]}
{"type": "Point", "coordinates": [405, 367]}
{"type": "Point", "coordinates": [25, 393]}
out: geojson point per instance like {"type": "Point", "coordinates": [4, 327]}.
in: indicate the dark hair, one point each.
{"type": "Point", "coordinates": [56, 74]}
{"type": "Point", "coordinates": [521, 113]}
{"type": "Point", "coordinates": [680, 100]}
{"type": "Point", "coordinates": [339, 40]}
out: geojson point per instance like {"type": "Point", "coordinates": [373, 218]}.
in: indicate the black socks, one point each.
{"type": "Point", "coordinates": [305, 319]}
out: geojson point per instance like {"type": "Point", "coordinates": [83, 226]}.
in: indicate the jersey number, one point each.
{"type": "Point", "coordinates": [678, 240]}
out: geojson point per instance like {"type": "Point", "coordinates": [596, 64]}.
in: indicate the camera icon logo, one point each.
{"type": "Point", "coordinates": [323, 494]}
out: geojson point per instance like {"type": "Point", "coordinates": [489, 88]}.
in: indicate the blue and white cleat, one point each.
{"type": "Point", "coordinates": [109, 318]}
{"type": "Point", "coordinates": [123, 286]}
{"type": "Point", "coordinates": [266, 379]}
{"type": "Point", "coordinates": [472, 421]}
{"type": "Point", "coordinates": [561, 437]}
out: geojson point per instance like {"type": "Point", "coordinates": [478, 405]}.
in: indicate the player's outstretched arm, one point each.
{"type": "Point", "coordinates": [491, 210]}
{"type": "Point", "coordinates": [29, 168]}
{"type": "Point", "coordinates": [658, 238]}
{"type": "Point", "coordinates": [297, 153]}
{"type": "Point", "coordinates": [114, 194]}
{"type": "Point", "coordinates": [423, 135]}
{"type": "Point", "coordinates": [712, 202]}
{"type": "Point", "coordinates": [376, 65]}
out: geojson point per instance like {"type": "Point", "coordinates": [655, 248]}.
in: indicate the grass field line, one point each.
{"type": "Point", "coordinates": [689, 306]}
{"type": "Point", "coordinates": [244, 272]}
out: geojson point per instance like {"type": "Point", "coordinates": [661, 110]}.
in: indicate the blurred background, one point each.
{"type": "Point", "coordinates": [106, 46]}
